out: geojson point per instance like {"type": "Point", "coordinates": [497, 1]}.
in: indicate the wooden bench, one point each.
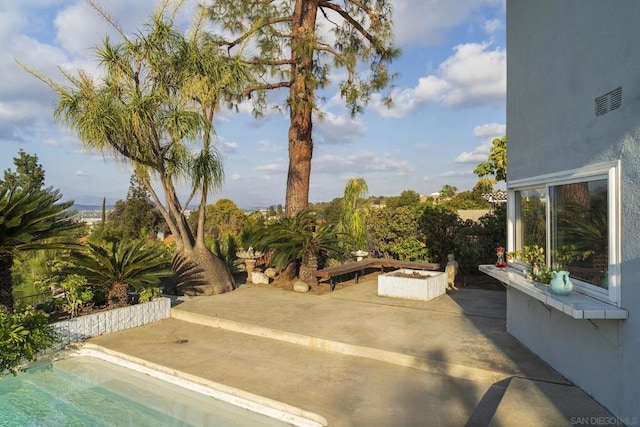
{"type": "Point", "coordinates": [367, 263]}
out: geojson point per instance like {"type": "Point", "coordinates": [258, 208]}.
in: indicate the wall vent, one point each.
{"type": "Point", "coordinates": [608, 102]}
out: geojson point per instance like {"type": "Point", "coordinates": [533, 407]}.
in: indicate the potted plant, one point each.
{"type": "Point", "coordinates": [533, 256]}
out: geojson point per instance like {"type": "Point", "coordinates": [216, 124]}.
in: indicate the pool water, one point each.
{"type": "Point", "coordinates": [84, 391]}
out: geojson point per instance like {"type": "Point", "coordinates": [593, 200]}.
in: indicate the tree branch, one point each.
{"type": "Point", "coordinates": [266, 86]}
{"type": "Point", "coordinates": [326, 48]}
{"type": "Point", "coordinates": [375, 42]}
{"type": "Point", "coordinates": [233, 43]}
{"type": "Point", "coordinates": [267, 62]}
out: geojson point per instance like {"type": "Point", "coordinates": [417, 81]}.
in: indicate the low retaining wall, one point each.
{"type": "Point", "coordinates": [118, 319]}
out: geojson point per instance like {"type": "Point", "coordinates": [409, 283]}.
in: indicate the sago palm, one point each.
{"type": "Point", "coordinates": [124, 265]}
{"type": "Point", "coordinates": [30, 219]}
{"type": "Point", "coordinates": [299, 239]}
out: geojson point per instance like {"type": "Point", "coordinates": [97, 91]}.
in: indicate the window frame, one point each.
{"type": "Point", "coordinates": [606, 170]}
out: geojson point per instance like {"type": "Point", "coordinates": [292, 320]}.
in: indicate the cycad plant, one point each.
{"type": "Point", "coordinates": [125, 264]}
{"type": "Point", "coordinates": [299, 239]}
{"type": "Point", "coordinates": [30, 219]}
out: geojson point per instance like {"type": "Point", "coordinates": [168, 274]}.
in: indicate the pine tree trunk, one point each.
{"type": "Point", "coordinates": [301, 103]}
{"type": "Point", "coordinates": [6, 283]}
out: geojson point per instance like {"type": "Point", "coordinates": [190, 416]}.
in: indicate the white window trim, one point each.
{"type": "Point", "coordinates": [608, 170]}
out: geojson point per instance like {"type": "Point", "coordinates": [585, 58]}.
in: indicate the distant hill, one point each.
{"type": "Point", "coordinates": [79, 207]}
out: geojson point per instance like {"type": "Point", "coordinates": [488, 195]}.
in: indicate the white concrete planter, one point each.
{"type": "Point", "coordinates": [423, 285]}
{"type": "Point", "coordinates": [105, 322]}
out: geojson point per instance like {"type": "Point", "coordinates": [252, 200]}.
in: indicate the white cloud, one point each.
{"type": "Point", "coordinates": [81, 174]}
{"type": "Point", "coordinates": [423, 146]}
{"type": "Point", "coordinates": [79, 26]}
{"type": "Point", "coordinates": [337, 129]}
{"type": "Point", "coordinates": [428, 21]}
{"type": "Point", "coordinates": [265, 146]}
{"type": "Point", "coordinates": [455, 174]}
{"type": "Point", "coordinates": [479, 154]}
{"type": "Point", "coordinates": [487, 132]}
{"type": "Point", "coordinates": [273, 168]}
{"type": "Point", "coordinates": [429, 89]}
{"type": "Point", "coordinates": [493, 26]}
{"type": "Point", "coordinates": [226, 147]}
{"type": "Point", "coordinates": [236, 176]}
{"type": "Point", "coordinates": [474, 75]}
{"type": "Point", "coordinates": [490, 130]}
{"type": "Point", "coordinates": [359, 163]}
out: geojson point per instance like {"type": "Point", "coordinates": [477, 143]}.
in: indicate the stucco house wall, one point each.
{"type": "Point", "coordinates": [561, 55]}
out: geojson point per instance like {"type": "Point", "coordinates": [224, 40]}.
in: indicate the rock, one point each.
{"type": "Point", "coordinates": [259, 278]}
{"type": "Point", "coordinates": [300, 286]}
{"type": "Point", "coordinates": [270, 272]}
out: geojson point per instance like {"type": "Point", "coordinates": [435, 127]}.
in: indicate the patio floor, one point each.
{"type": "Point", "coordinates": [362, 360]}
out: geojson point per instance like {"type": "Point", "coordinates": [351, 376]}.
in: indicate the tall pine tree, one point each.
{"type": "Point", "coordinates": [298, 43]}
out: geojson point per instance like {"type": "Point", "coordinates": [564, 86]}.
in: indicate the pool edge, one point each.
{"type": "Point", "coordinates": [243, 399]}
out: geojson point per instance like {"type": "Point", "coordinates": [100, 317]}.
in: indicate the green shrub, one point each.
{"type": "Point", "coordinates": [22, 335]}
{"type": "Point", "coordinates": [394, 233]}
{"type": "Point", "coordinates": [77, 294]}
{"type": "Point", "coordinates": [225, 249]}
{"type": "Point", "coordinates": [149, 293]}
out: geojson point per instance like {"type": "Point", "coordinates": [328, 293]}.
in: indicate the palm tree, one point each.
{"type": "Point", "coordinates": [154, 110]}
{"type": "Point", "coordinates": [301, 240]}
{"type": "Point", "coordinates": [124, 265]}
{"type": "Point", "coordinates": [353, 215]}
{"type": "Point", "coordinates": [30, 219]}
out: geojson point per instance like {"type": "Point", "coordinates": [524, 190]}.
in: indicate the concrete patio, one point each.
{"type": "Point", "coordinates": [362, 360]}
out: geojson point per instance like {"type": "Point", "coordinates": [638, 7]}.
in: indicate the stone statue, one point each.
{"type": "Point", "coordinates": [451, 269]}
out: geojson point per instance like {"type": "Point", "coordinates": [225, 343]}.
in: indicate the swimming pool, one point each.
{"type": "Point", "coordinates": [87, 391]}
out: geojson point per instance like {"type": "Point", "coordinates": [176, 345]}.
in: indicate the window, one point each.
{"type": "Point", "coordinates": [580, 231]}
{"type": "Point", "coordinates": [532, 213]}
{"type": "Point", "coordinates": [573, 215]}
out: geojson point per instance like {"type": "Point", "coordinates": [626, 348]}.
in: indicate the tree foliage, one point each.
{"type": "Point", "coordinates": [296, 44]}
{"type": "Point", "coordinates": [406, 198]}
{"type": "Point", "coordinates": [28, 173]}
{"type": "Point", "coordinates": [154, 109]}
{"type": "Point", "coordinates": [224, 218]}
{"type": "Point", "coordinates": [30, 219]}
{"type": "Point", "coordinates": [329, 211]}
{"type": "Point", "coordinates": [439, 227]}
{"type": "Point", "coordinates": [494, 169]}
{"type": "Point", "coordinates": [394, 233]}
{"type": "Point", "coordinates": [448, 191]}
{"type": "Point", "coordinates": [466, 200]}
{"type": "Point", "coordinates": [22, 336]}
{"type": "Point", "coordinates": [131, 218]}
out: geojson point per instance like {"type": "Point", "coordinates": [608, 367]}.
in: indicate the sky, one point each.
{"type": "Point", "coordinates": [449, 103]}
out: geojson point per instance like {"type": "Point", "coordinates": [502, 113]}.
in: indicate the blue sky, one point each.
{"type": "Point", "coordinates": [449, 98]}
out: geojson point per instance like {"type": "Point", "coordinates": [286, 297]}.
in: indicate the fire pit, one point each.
{"type": "Point", "coordinates": [412, 284]}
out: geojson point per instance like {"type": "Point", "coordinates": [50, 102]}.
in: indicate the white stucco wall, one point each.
{"type": "Point", "coordinates": [561, 55]}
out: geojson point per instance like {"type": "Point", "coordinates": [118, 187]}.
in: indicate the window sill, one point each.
{"type": "Point", "coordinates": [576, 305]}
